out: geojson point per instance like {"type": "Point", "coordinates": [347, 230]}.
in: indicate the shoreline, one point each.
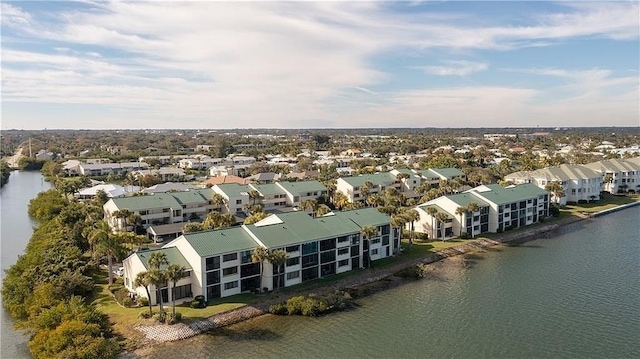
{"type": "Point", "coordinates": [366, 283]}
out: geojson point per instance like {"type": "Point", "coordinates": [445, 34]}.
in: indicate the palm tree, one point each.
{"type": "Point", "coordinates": [367, 232]}
{"type": "Point", "coordinates": [174, 273]}
{"type": "Point", "coordinates": [473, 208]}
{"type": "Point", "coordinates": [104, 243]}
{"type": "Point", "coordinates": [157, 275]}
{"type": "Point", "coordinates": [278, 258]}
{"type": "Point", "coordinates": [432, 211]}
{"type": "Point", "coordinates": [365, 190]}
{"type": "Point", "coordinates": [259, 255]}
{"type": "Point", "coordinates": [308, 205]}
{"type": "Point", "coordinates": [442, 218]}
{"type": "Point", "coordinates": [340, 200]}
{"type": "Point", "coordinates": [412, 216]}
{"type": "Point", "coordinates": [143, 280]}
{"type": "Point", "coordinates": [125, 215]}
{"type": "Point", "coordinates": [322, 210]}
{"type": "Point", "coordinates": [254, 195]}
{"type": "Point", "coordinates": [555, 187]}
{"type": "Point", "coordinates": [218, 200]}
{"type": "Point", "coordinates": [399, 222]}
{"type": "Point", "coordinates": [461, 211]}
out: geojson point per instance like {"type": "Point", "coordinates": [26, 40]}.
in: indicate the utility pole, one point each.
{"type": "Point", "coordinates": [30, 153]}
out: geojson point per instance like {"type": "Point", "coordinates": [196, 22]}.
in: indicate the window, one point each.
{"type": "Point", "coordinates": [374, 252]}
{"type": "Point", "coordinates": [238, 201]}
{"type": "Point", "coordinates": [327, 257]}
{"type": "Point", "coordinates": [183, 291]}
{"type": "Point", "coordinates": [213, 277]}
{"type": "Point", "coordinates": [309, 274]}
{"type": "Point", "coordinates": [230, 271]}
{"type": "Point", "coordinates": [310, 260]}
{"type": "Point", "coordinates": [292, 249]}
{"type": "Point", "coordinates": [245, 257]}
{"type": "Point", "coordinates": [213, 292]}
{"type": "Point", "coordinates": [343, 239]}
{"type": "Point", "coordinates": [231, 285]}
{"type": "Point", "coordinates": [230, 257]}
{"type": "Point", "coordinates": [309, 248]}
{"type": "Point", "coordinates": [212, 263]}
{"type": "Point", "coordinates": [385, 240]}
{"type": "Point", "coordinates": [343, 251]}
{"type": "Point", "coordinates": [375, 240]}
{"type": "Point", "coordinates": [328, 244]}
{"type": "Point", "coordinates": [293, 261]}
{"type": "Point", "coordinates": [249, 270]}
{"type": "Point", "coordinates": [293, 275]}
{"type": "Point", "coordinates": [344, 262]}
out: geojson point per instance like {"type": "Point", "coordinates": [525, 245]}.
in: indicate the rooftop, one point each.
{"type": "Point", "coordinates": [209, 243]}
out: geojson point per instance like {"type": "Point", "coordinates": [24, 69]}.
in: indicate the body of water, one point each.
{"type": "Point", "coordinates": [15, 231]}
{"type": "Point", "coordinates": [573, 294]}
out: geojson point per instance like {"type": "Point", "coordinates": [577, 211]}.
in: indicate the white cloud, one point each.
{"type": "Point", "coordinates": [456, 68]}
{"type": "Point", "coordinates": [273, 64]}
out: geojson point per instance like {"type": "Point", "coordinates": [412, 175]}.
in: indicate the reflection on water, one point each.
{"type": "Point", "coordinates": [573, 294]}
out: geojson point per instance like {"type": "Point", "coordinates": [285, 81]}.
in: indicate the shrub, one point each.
{"type": "Point", "coordinates": [143, 301]}
{"type": "Point", "coordinates": [160, 316]}
{"type": "Point", "coordinates": [499, 230]}
{"type": "Point", "coordinates": [145, 314]}
{"type": "Point", "coordinates": [464, 235]}
{"type": "Point", "coordinates": [278, 309]}
{"type": "Point", "coordinates": [199, 298]}
{"type": "Point", "coordinates": [121, 295]}
{"type": "Point", "coordinates": [177, 317]}
{"type": "Point", "coordinates": [294, 305]}
{"type": "Point", "coordinates": [127, 302]}
{"type": "Point", "coordinates": [115, 287]}
{"type": "Point", "coordinates": [554, 211]}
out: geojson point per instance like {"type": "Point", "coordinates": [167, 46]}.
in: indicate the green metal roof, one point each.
{"type": "Point", "coordinates": [138, 203]}
{"type": "Point", "coordinates": [448, 172]}
{"type": "Point", "coordinates": [302, 186]}
{"type": "Point", "coordinates": [376, 179]}
{"type": "Point", "coordinates": [502, 195]}
{"type": "Point", "coordinates": [173, 256]}
{"type": "Point", "coordinates": [428, 173]}
{"type": "Point", "coordinates": [366, 217]}
{"type": "Point", "coordinates": [270, 189]}
{"type": "Point", "coordinates": [287, 229]}
{"type": "Point", "coordinates": [209, 243]}
{"type": "Point", "coordinates": [234, 189]}
{"type": "Point", "coordinates": [188, 197]}
{"type": "Point", "coordinates": [464, 199]}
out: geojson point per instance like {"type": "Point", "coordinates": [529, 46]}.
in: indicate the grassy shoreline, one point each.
{"type": "Point", "coordinates": [368, 281]}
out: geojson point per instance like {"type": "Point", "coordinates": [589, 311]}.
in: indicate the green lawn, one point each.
{"type": "Point", "coordinates": [606, 202]}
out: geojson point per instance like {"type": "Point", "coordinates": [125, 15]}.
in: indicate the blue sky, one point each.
{"type": "Point", "coordinates": [200, 64]}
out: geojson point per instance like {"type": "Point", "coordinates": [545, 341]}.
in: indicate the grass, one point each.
{"type": "Point", "coordinates": [606, 202]}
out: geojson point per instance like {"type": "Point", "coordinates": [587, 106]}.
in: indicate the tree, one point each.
{"type": "Point", "coordinates": [256, 217]}
{"type": "Point", "coordinates": [412, 216]}
{"type": "Point", "coordinates": [174, 273]}
{"type": "Point", "coordinates": [106, 244]}
{"type": "Point", "coordinates": [367, 232]}
{"type": "Point", "coordinates": [254, 195]}
{"type": "Point", "coordinates": [340, 200]}
{"type": "Point", "coordinates": [191, 227]}
{"type": "Point", "coordinates": [259, 255]}
{"type": "Point", "coordinates": [473, 208]}
{"type": "Point", "coordinates": [432, 211]}
{"type": "Point", "coordinates": [308, 205]}
{"type": "Point", "coordinates": [555, 187]}
{"type": "Point", "coordinates": [218, 200]}
{"type": "Point", "coordinates": [143, 280]}
{"type": "Point", "coordinates": [365, 189]}
{"type": "Point", "coordinates": [322, 210]}
{"type": "Point", "coordinates": [399, 222]}
{"type": "Point", "coordinates": [278, 258]}
{"type": "Point", "coordinates": [157, 276]}
{"type": "Point", "coordinates": [442, 219]}
{"type": "Point", "coordinates": [461, 211]}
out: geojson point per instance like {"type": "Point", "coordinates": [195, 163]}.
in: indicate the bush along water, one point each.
{"type": "Point", "coordinates": [313, 305]}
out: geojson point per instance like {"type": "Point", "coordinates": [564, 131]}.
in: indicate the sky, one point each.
{"type": "Point", "coordinates": [355, 64]}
